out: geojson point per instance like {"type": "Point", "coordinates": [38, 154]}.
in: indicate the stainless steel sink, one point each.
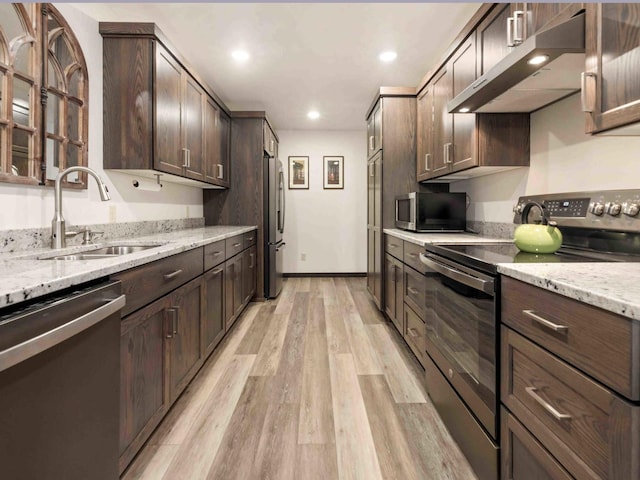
{"type": "Point", "coordinates": [101, 253]}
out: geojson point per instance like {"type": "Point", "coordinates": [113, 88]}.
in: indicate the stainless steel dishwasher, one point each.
{"type": "Point", "coordinates": [59, 386]}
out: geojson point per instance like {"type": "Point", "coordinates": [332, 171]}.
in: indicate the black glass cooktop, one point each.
{"type": "Point", "coordinates": [485, 257]}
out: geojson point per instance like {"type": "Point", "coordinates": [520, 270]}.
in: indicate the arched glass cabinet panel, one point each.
{"type": "Point", "coordinates": [43, 96]}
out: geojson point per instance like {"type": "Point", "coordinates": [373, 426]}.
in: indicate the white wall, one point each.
{"type": "Point", "coordinates": [328, 226]}
{"type": "Point", "coordinates": [563, 159]}
{"type": "Point", "coordinates": [32, 207]}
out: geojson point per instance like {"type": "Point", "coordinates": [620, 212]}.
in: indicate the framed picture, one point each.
{"type": "Point", "coordinates": [298, 173]}
{"type": "Point", "coordinates": [333, 172]}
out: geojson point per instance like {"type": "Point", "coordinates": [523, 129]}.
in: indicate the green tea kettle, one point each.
{"type": "Point", "coordinates": [532, 238]}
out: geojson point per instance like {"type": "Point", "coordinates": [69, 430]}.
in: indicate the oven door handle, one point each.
{"type": "Point", "coordinates": [485, 286]}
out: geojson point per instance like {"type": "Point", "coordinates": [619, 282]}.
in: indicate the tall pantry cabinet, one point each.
{"type": "Point", "coordinates": [391, 150]}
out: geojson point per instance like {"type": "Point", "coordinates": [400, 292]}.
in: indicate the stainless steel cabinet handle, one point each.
{"type": "Point", "coordinates": [220, 171]}
{"type": "Point", "coordinates": [583, 91]}
{"type": "Point", "coordinates": [185, 158]}
{"type": "Point", "coordinates": [447, 152]}
{"type": "Point", "coordinates": [176, 320]}
{"type": "Point", "coordinates": [189, 157]}
{"type": "Point", "coordinates": [412, 291]}
{"type": "Point", "coordinates": [510, 22]}
{"type": "Point", "coordinates": [371, 170]}
{"type": "Point", "coordinates": [371, 139]}
{"type": "Point", "coordinates": [217, 272]}
{"type": "Point", "coordinates": [34, 346]}
{"type": "Point", "coordinates": [426, 162]}
{"type": "Point", "coordinates": [546, 323]}
{"type": "Point", "coordinates": [546, 405]}
{"type": "Point", "coordinates": [412, 255]}
{"type": "Point", "coordinates": [393, 245]}
{"type": "Point", "coordinates": [216, 254]}
{"type": "Point", "coordinates": [236, 245]}
{"type": "Point", "coordinates": [412, 332]}
{"type": "Point", "coordinates": [172, 275]}
{"type": "Point", "coordinates": [251, 258]}
{"type": "Point", "coordinates": [518, 27]}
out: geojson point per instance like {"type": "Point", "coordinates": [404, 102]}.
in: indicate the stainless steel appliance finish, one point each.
{"type": "Point", "coordinates": [431, 212]}
{"type": "Point", "coordinates": [274, 222]}
{"type": "Point", "coordinates": [515, 85]}
{"type": "Point", "coordinates": [59, 386]}
{"type": "Point", "coordinates": [464, 287]}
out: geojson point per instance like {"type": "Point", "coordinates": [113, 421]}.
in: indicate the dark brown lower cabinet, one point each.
{"type": "Point", "coordinates": [183, 336]}
{"type": "Point", "coordinates": [213, 318]}
{"type": "Point", "coordinates": [143, 396]}
{"type": "Point", "coordinates": [523, 457]}
{"type": "Point", "coordinates": [393, 285]}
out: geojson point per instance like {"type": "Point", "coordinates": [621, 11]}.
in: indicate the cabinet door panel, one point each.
{"type": "Point", "coordinates": [211, 141]}
{"type": "Point", "coordinates": [142, 390]}
{"type": "Point", "coordinates": [213, 318]}
{"type": "Point", "coordinates": [442, 123]}
{"type": "Point", "coordinates": [184, 346]}
{"type": "Point", "coordinates": [492, 37]}
{"type": "Point", "coordinates": [424, 147]}
{"type": "Point", "coordinates": [193, 127]}
{"type": "Point", "coordinates": [237, 285]}
{"type": "Point", "coordinates": [224, 144]}
{"type": "Point", "coordinates": [462, 68]}
{"type": "Point", "coordinates": [377, 128]}
{"type": "Point", "coordinates": [168, 97]}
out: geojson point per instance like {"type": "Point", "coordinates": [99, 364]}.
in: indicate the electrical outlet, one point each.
{"type": "Point", "coordinates": [112, 214]}
{"type": "Point", "coordinates": [303, 257]}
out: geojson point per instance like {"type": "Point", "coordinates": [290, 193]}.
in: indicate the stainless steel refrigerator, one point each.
{"type": "Point", "coordinates": [274, 216]}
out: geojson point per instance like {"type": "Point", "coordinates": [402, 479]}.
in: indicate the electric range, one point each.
{"type": "Point", "coordinates": [462, 323]}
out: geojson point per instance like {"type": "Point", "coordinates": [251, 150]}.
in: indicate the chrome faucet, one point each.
{"type": "Point", "coordinates": [58, 232]}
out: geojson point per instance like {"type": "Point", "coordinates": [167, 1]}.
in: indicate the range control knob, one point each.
{"type": "Point", "coordinates": [613, 208]}
{"type": "Point", "coordinates": [597, 208]}
{"type": "Point", "coordinates": [518, 208]}
{"type": "Point", "coordinates": [630, 209]}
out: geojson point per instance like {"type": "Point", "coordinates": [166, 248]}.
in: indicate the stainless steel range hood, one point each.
{"type": "Point", "coordinates": [515, 85]}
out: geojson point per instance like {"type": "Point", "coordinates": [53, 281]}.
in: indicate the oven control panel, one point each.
{"type": "Point", "coordinates": [607, 209]}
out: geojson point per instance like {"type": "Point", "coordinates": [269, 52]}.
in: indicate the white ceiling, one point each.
{"type": "Point", "coordinates": [304, 56]}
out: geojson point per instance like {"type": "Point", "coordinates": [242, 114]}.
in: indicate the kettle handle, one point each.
{"type": "Point", "coordinates": [545, 214]}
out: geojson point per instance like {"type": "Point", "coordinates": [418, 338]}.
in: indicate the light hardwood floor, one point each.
{"type": "Point", "coordinates": [312, 385]}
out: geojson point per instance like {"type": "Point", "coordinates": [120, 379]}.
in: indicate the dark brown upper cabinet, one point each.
{"type": "Point", "coordinates": [374, 131]}
{"type": "Point", "coordinates": [44, 91]}
{"type": "Point", "coordinates": [611, 81]}
{"type": "Point", "coordinates": [452, 142]}
{"type": "Point", "coordinates": [159, 116]}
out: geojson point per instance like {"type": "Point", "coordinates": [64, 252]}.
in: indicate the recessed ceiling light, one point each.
{"type": "Point", "coordinates": [313, 115]}
{"type": "Point", "coordinates": [240, 55]}
{"type": "Point", "coordinates": [464, 110]}
{"type": "Point", "coordinates": [388, 56]}
{"type": "Point", "coordinates": [537, 60]}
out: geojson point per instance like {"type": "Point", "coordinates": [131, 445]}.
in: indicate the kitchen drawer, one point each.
{"type": "Point", "coordinates": [234, 245]}
{"type": "Point", "coordinates": [394, 246]}
{"type": "Point", "coordinates": [214, 254]}
{"type": "Point", "coordinates": [249, 239]}
{"type": "Point", "coordinates": [523, 456]}
{"type": "Point", "coordinates": [144, 284]}
{"type": "Point", "coordinates": [414, 333]}
{"type": "Point", "coordinates": [414, 291]}
{"type": "Point", "coordinates": [411, 256]}
{"type": "Point", "coordinates": [600, 343]}
{"type": "Point", "coordinates": [591, 431]}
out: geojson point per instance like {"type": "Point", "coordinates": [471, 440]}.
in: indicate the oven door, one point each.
{"type": "Point", "coordinates": [461, 333]}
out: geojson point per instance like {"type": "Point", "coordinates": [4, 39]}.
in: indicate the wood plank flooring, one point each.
{"type": "Point", "coordinates": [312, 385]}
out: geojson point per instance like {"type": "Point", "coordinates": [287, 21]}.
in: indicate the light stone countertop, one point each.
{"type": "Point", "coordinates": [611, 286]}
{"type": "Point", "coordinates": [23, 276]}
{"type": "Point", "coordinates": [423, 239]}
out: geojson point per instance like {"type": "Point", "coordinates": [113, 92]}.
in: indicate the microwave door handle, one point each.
{"type": "Point", "coordinates": [485, 286]}
{"type": "Point", "coordinates": [413, 219]}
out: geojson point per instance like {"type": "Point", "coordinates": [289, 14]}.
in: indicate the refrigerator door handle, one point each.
{"type": "Point", "coordinates": [282, 211]}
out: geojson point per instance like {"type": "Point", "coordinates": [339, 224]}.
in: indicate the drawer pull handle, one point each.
{"type": "Point", "coordinates": [545, 323]}
{"type": "Point", "coordinates": [412, 291]}
{"type": "Point", "coordinates": [250, 239]}
{"type": "Point", "coordinates": [236, 245]}
{"type": "Point", "coordinates": [172, 275]}
{"type": "Point", "coordinates": [544, 404]}
{"type": "Point", "coordinates": [215, 254]}
{"type": "Point", "coordinates": [413, 333]}
{"type": "Point", "coordinates": [393, 245]}
{"type": "Point", "coordinates": [412, 255]}
{"type": "Point", "coordinates": [217, 272]}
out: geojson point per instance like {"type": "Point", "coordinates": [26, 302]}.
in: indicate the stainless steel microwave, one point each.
{"type": "Point", "coordinates": [432, 212]}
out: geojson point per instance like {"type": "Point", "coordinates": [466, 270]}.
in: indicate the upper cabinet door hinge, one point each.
{"type": "Point", "coordinates": [43, 95]}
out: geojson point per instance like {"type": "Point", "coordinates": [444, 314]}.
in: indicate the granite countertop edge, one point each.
{"type": "Point", "coordinates": [23, 276]}
{"type": "Point", "coordinates": [423, 239]}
